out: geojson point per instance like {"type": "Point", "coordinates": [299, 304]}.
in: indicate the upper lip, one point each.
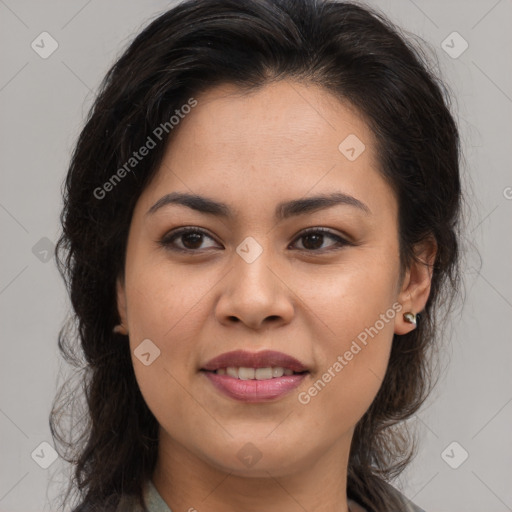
{"type": "Point", "coordinates": [262, 359]}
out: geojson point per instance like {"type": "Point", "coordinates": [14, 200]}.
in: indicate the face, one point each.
{"type": "Point", "coordinates": [318, 282]}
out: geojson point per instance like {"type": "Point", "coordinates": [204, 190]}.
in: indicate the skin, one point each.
{"type": "Point", "coordinates": [252, 151]}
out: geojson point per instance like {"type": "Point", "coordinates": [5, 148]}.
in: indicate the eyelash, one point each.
{"type": "Point", "coordinates": [169, 238]}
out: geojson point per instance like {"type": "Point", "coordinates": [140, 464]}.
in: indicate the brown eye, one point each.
{"type": "Point", "coordinates": [191, 240]}
{"type": "Point", "coordinates": [314, 238]}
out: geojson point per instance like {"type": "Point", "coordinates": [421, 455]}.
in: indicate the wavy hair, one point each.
{"type": "Point", "coordinates": [352, 52]}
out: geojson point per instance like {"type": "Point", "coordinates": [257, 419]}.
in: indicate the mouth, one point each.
{"type": "Point", "coordinates": [247, 373]}
{"type": "Point", "coordinates": [255, 376]}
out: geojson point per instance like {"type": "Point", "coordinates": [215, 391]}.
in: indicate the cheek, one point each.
{"type": "Point", "coordinates": [164, 307]}
{"type": "Point", "coordinates": [353, 323]}
{"type": "Point", "coordinates": [164, 301]}
{"type": "Point", "coordinates": [167, 306]}
{"type": "Point", "coordinates": [354, 364]}
{"type": "Point", "coordinates": [345, 299]}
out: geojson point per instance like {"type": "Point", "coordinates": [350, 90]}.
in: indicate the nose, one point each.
{"type": "Point", "coordinates": [255, 294]}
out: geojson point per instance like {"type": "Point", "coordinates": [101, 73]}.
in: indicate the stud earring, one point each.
{"type": "Point", "coordinates": [410, 318]}
{"type": "Point", "coordinates": [120, 329]}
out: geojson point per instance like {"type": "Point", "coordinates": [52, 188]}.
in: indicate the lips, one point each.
{"type": "Point", "coordinates": [263, 359]}
{"type": "Point", "coordinates": [255, 376]}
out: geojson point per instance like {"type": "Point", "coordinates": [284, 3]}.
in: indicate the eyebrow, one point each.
{"type": "Point", "coordinates": [283, 210]}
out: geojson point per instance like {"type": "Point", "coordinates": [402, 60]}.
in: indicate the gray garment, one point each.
{"type": "Point", "coordinates": [408, 505]}
{"type": "Point", "coordinates": [155, 502]}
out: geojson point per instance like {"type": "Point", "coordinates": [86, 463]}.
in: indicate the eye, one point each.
{"type": "Point", "coordinates": [191, 239]}
{"type": "Point", "coordinates": [314, 238]}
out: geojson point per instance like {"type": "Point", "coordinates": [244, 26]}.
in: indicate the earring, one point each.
{"type": "Point", "coordinates": [410, 318]}
{"type": "Point", "coordinates": [120, 329]}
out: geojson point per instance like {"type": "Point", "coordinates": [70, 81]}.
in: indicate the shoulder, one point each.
{"type": "Point", "coordinates": [152, 499]}
{"type": "Point", "coordinates": [155, 503]}
{"type": "Point", "coordinates": [408, 505]}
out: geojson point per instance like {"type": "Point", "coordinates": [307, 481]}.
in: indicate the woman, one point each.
{"type": "Point", "coordinates": [265, 196]}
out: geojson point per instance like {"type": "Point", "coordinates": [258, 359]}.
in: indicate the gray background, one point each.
{"type": "Point", "coordinates": [43, 104]}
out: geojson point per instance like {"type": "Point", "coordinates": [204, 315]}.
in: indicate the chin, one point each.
{"type": "Point", "coordinates": [256, 458]}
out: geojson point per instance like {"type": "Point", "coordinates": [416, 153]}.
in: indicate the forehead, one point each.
{"type": "Point", "coordinates": [280, 119]}
{"type": "Point", "coordinates": [284, 139]}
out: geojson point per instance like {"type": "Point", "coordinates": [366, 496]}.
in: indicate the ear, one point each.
{"type": "Point", "coordinates": [121, 301]}
{"type": "Point", "coordinates": [415, 288]}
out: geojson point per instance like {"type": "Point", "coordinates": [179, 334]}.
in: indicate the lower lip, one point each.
{"type": "Point", "coordinates": [253, 390]}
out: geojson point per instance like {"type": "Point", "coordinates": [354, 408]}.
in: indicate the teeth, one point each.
{"type": "Point", "coordinates": [277, 371]}
{"type": "Point", "coordinates": [231, 371]}
{"type": "Point", "coordinates": [244, 373]}
{"type": "Point", "coordinates": [263, 373]}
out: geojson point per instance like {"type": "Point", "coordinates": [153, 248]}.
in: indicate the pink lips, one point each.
{"type": "Point", "coordinates": [255, 390]}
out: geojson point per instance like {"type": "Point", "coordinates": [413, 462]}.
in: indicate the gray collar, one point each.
{"type": "Point", "coordinates": [155, 502]}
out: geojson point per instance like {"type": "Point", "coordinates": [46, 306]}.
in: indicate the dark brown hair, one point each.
{"type": "Point", "coordinates": [350, 51]}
